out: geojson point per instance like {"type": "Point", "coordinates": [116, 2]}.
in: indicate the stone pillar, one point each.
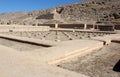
{"type": "Point", "coordinates": [85, 26]}
{"type": "Point", "coordinates": [56, 25]}
{"type": "Point", "coordinates": [113, 27]}
{"type": "Point", "coordinates": [93, 26]}
{"type": "Point", "coordinates": [97, 26]}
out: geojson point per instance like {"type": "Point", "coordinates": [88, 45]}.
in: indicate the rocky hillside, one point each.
{"type": "Point", "coordinates": [7, 17]}
{"type": "Point", "coordinates": [89, 11]}
{"type": "Point", "coordinates": [95, 10]}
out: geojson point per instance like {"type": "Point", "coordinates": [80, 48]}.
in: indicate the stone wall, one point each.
{"type": "Point", "coordinates": [13, 28]}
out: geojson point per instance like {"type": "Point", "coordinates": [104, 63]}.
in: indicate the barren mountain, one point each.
{"type": "Point", "coordinates": [12, 15]}
{"type": "Point", "coordinates": [89, 11]}
{"type": "Point", "coordinates": [7, 17]}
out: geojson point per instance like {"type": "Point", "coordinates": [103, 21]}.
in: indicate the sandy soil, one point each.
{"type": "Point", "coordinates": [97, 64]}
{"type": "Point", "coordinates": [22, 64]}
{"type": "Point", "coordinates": [19, 45]}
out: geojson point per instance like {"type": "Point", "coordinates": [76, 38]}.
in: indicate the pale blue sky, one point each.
{"type": "Point", "coordinates": [30, 5]}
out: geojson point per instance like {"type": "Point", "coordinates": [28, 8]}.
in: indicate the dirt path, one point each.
{"type": "Point", "coordinates": [97, 64]}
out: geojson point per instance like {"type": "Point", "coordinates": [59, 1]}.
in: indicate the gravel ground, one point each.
{"type": "Point", "coordinates": [55, 35]}
{"type": "Point", "coordinates": [97, 64]}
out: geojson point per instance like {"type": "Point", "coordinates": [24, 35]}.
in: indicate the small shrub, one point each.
{"type": "Point", "coordinates": [116, 16]}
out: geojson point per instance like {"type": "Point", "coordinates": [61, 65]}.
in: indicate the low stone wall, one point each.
{"type": "Point", "coordinates": [33, 41]}
{"type": "Point", "coordinates": [14, 28]}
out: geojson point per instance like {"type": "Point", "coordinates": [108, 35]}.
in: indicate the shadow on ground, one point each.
{"type": "Point", "coordinates": [116, 68]}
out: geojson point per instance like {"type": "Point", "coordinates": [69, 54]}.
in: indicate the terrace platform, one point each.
{"type": "Point", "coordinates": [21, 64]}
{"type": "Point", "coordinates": [53, 47]}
